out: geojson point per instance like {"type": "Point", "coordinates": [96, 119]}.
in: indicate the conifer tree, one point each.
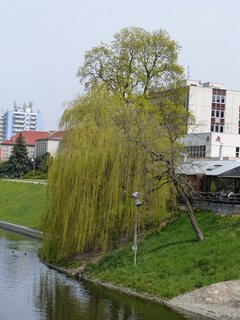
{"type": "Point", "coordinates": [19, 162]}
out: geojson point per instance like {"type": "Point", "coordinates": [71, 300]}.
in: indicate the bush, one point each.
{"type": "Point", "coordinates": [35, 174]}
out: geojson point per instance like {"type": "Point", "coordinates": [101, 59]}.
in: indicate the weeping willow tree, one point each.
{"type": "Point", "coordinates": [92, 177]}
{"type": "Point", "coordinates": [118, 139]}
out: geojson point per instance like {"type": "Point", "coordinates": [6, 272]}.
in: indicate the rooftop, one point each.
{"type": "Point", "coordinates": [208, 167]}
{"type": "Point", "coordinates": [29, 136]}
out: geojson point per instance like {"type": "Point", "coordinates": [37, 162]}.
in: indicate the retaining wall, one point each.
{"type": "Point", "coordinates": [21, 230]}
{"type": "Point", "coordinates": [218, 207]}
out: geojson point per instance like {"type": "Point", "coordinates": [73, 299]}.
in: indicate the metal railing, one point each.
{"type": "Point", "coordinates": [219, 197]}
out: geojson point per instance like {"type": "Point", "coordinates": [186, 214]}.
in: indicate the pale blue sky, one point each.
{"type": "Point", "coordinates": [42, 43]}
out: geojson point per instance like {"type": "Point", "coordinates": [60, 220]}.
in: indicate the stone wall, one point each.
{"type": "Point", "coordinates": [218, 207]}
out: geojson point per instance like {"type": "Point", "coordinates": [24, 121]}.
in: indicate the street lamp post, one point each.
{"type": "Point", "coordinates": [33, 162]}
{"type": "Point", "coordinates": [138, 204]}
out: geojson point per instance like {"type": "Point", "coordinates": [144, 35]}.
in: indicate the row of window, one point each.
{"type": "Point", "coordinates": [196, 151]}
{"type": "Point", "coordinates": [200, 151]}
{"type": "Point", "coordinates": [217, 113]}
{"type": "Point", "coordinates": [218, 106]}
{"type": "Point", "coordinates": [218, 98]}
{"type": "Point", "coordinates": [217, 128]}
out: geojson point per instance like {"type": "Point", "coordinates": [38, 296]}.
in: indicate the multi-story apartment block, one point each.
{"type": "Point", "coordinates": [216, 132]}
{"type": "Point", "coordinates": [21, 118]}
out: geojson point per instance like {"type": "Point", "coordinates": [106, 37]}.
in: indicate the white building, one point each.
{"type": "Point", "coordinates": [21, 118]}
{"type": "Point", "coordinates": [48, 144]}
{"type": "Point", "coordinates": [217, 116]}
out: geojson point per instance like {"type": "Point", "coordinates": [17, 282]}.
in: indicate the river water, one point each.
{"type": "Point", "coordinates": [31, 291]}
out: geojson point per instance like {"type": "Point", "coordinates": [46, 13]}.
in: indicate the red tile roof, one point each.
{"type": "Point", "coordinates": [29, 136]}
{"type": "Point", "coordinates": [56, 135]}
{"type": "Point", "coordinates": [53, 135]}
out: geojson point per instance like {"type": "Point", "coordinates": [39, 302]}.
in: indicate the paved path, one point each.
{"type": "Point", "coordinates": [218, 301]}
{"type": "Point", "coordinates": [26, 181]}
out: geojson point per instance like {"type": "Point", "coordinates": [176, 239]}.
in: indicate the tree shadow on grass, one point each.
{"type": "Point", "coordinates": [172, 244]}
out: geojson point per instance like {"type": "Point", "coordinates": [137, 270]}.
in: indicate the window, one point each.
{"type": "Point", "coordinates": [237, 152]}
{"type": "Point", "coordinates": [222, 114]}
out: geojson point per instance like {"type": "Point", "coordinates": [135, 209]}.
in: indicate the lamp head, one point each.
{"type": "Point", "coordinates": [134, 195]}
{"type": "Point", "coordinates": [138, 203]}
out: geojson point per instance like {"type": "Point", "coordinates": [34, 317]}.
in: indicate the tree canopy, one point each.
{"type": "Point", "coordinates": [137, 62]}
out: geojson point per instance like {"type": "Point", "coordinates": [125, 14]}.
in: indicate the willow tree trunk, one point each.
{"type": "Point", "coordinates": [182, 193]}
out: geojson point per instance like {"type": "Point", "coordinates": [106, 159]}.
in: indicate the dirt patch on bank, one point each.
{"type": "Point", "coordinates": [218, 301]}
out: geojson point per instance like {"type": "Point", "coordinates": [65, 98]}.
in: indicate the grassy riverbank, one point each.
{"type": "Point", "coordinates": [171, 261]}
{"type": "Point", "coordinates": [22, 203]}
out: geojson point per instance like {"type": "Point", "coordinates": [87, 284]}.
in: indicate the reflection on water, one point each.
{"type": "Point", "coordinates": [29, 291]}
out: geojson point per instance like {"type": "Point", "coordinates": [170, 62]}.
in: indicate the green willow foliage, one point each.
{"type": "Point", "coordinates": [91, 180]}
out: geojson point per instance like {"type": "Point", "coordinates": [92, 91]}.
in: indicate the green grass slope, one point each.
{"type": "Point", "coordinates": [22, 203]}
{"type": "Point", "coordinates": [171, 261]}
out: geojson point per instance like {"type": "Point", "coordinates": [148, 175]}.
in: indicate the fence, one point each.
{"type": "Point", "coordinates": [222, 197]}
{"type": "Point", "coordinates": [218, 202]}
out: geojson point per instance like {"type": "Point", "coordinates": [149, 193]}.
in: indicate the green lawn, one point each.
{"type": "Point", "coordinates": [171, 261]}
{"type": "Point", "coordinates": [22, 203]}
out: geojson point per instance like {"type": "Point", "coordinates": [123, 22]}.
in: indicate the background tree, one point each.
{"type": "Point", "coordinates": [43, 162]}
{"type": "Point", "coordinates": [19, 162]}
{"type": "Point", "coordinates": [4, 169]}
{"type": "Point", "coordinates": [156, 128]}
{"type": "Point", "coordinates": [136, 63]}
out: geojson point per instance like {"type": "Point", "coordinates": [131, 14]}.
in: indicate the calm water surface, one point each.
{"type": "Point", "coordinates": [29, 291]}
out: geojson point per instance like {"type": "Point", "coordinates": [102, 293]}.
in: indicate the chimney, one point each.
{"type": "Point", "coordinates": [221, 151]}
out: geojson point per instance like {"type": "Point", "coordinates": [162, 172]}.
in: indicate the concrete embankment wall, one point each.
{"type": "Point", "coordinates": [218, 207]}
{"type": "Point", "coordinates": [21, 230]}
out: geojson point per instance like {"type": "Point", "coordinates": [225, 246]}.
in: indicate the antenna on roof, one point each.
{"type": "Point", "coordinates": [15, 105]}
{"type": "Point", "coordinates": [188, 72]}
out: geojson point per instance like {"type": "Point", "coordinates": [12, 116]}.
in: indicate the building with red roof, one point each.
{"type": "Point", "coordinates": [30, 138]}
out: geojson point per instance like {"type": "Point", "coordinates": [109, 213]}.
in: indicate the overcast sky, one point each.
{"type": "Point", "coordinates": [42, 43]}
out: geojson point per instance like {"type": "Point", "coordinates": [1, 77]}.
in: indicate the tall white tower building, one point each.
{"type": "Point", "coordinates": [21, 118]}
